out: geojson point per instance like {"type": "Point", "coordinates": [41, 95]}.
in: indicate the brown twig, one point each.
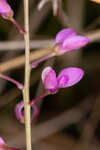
{"type": "Point", "coordinates": [19, 45]}
{"type": "Point", "coordinates": [19, 61]}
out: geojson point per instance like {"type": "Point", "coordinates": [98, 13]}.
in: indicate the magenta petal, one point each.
{"type": "Point", "coordinates": [35, 111]}
{"type": "Point", "coordinates": [62, 81]}
{"type": "Point", "coordinates": [74, 75]}
{"type": "Point", "coordinates": [19, 111]}
{"type": "Point", "coordinates": [63, 34]}
{"type": "Point", "coordinates": [5, 8]}
{"type": "Point", "coordinates": [49, 78]}
{"type": "Point", "coordinates": [75, 42]}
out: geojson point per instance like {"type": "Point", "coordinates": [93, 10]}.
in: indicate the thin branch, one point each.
{"type": "Point", "coordinates": [19, 45]}
{"type": "Point", "coordinates": [26, 94]}
{"type": "Point", "coordinates": [19, 61]}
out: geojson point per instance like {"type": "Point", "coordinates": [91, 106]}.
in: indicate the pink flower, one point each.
{"type": "Point", "coordinates": [7, 13]}
{"type": "Point", "coordinates": [67, 40]}
{"type": "Point", "coordinates": [5, 10]}
{"type": "Point", "coordinates": [66, 78]}
{"type": "Point", "coordinates": [4, 146]}
{"type": "Point", "coordinates": [19, 112]}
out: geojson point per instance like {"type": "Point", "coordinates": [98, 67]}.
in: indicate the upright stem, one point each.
{"type": "Point", "coordinates": [27, 77]}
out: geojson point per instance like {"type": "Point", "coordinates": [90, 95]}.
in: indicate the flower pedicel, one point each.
{"type": "Point", "coordinates": [7, 13]}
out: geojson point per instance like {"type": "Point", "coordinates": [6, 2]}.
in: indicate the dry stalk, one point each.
{"type": "Point", "coordinates": [27, 77]}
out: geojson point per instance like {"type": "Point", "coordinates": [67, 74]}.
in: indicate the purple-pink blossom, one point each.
{"type": "Point", "coordinates": [68, 40]}
{"type": "Point", "coordinates": [4, 146]}
{"type": "Point", "coordinates": [5, 10]}
{"type": "Point", "coordinates": [52, 83]}
{"type": "Point", "coordinates": [66, 78]}
{"type": "Point", "coordinates": [19, 112]}
{"type": "Point", "coordinates": [7, 13]}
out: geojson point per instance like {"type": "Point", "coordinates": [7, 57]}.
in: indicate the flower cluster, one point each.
{"type": "Point", "coordinates": [66, 40]}
{"type": "Point", "coordinates": [66, 78]}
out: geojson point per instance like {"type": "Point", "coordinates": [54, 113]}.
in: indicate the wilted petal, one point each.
{"type": "Point", "coordinates": [74, 75]}
{"type": "Point", "coordinates": [5, 9]}
{"type": "Point", "coordinates": [62, 81]}
{"type": "Point", "coordinates": [49, 78]}
{"type": "Point", "coordinates": [75, 42]}
{"type": "Point", "coordinates": [64, 34]}
{"type": "Point", "coordinates": [19, 112]}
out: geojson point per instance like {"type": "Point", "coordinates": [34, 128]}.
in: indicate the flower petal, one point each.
{"type": "Point", "coordinates": [62, 81]}
{"type": "Point", "coordinates": [49, 78]}
{"type": "Point", "coordinates": [74, 75]}
{"type": "Point", "coordinates": [75, 42]}
{"type": "Point", "coordinates": [19, 112]}
{"type": "Point", "coordinates": [64, 34]}
{"type": "Point", "coordinates": [35, 111]}
{"type": "Point", "coordinates": [5, 9]}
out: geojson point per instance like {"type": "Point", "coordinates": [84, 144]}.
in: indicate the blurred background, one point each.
{"type": "Point", "coordinates": [69, 119]}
